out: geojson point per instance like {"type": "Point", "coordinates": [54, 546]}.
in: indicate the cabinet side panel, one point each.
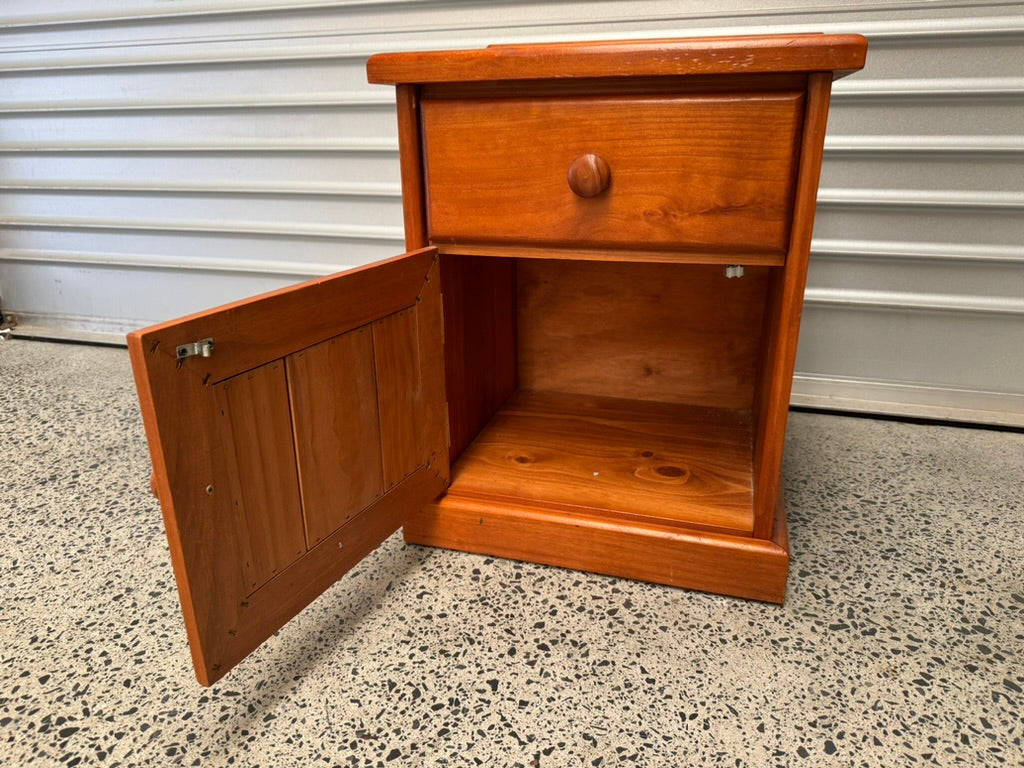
{"type": "Point", "coordinates": [784, 309]}
{"type": "Point", "coordinates": [257, 434]}
{"type": "Point", "coordinates": [480, 341]}
{"type": "Point", "coordinates": [337, 436]}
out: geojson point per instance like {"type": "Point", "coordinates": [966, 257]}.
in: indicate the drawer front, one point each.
{"type": "Point", "coordinates": [685, 173]}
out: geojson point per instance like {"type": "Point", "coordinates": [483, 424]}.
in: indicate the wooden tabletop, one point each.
{"type": "Point", "coordinates": [840, 54]}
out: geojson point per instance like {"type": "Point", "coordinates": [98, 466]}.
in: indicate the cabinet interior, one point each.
{"type": "Point", "coordinates": [625, 390]}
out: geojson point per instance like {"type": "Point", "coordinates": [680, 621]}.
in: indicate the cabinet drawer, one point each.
{"type": "Point", "coordinates": [708, 174]}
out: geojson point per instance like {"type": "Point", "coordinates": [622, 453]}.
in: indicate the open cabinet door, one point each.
{"type": "Point", "coordinates": [290, 435]}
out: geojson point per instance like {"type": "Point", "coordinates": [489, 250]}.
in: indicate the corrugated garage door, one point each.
{"type": "Point", "coordinates": [158, 157]}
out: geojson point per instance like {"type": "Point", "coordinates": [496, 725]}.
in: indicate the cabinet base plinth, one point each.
{"type": "Point", "coordinates": [738, 566]}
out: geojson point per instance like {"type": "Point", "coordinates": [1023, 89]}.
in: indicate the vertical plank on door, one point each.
{"type": "Point", "coordinates": [337, 436]}
{"type": "Point", "coordinates": [400, 395]}
{"type": "Point", "coordinates": [257, 440]}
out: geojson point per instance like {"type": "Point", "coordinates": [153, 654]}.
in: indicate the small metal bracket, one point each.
{"type": "Point", "coordinates": [734, 270]}
{"type": "Point", "coordinates": [203, 348]}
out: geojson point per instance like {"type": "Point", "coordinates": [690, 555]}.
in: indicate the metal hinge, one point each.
{"type": "Point", "coordinates": [203, 348]}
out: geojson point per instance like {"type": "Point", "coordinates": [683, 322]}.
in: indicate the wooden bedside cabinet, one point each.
{"type": "Point", "coordinates": [585, 358]}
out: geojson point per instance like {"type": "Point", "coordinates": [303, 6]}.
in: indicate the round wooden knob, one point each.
{"type": "Point", "coordinates": [589, 175]}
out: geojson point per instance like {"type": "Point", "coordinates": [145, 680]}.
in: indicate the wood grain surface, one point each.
{"type": "Point", "coordinates": [740, 566]}
{"type": "Point", "coordinates": [398, 389]}
{"type": "Point", "coordinates": [256, 437]}
{"type": "Point", "coordinates": [227, 482]}
{"type": "Point", "coordinates": [782, 321]}
{"type": "Point", "coordinates": [414, 212]}
{"type": "Point", "coordinates": [479, 341]}
{"type": "Point", "coordinates": [337, 432]}
{"type": "Point", "coordinates": [645, 438]}
{"type": "Point", "coordinates": [653, 462]}
{"type": "Point", "coordinates": [837, 54]}
{"type": "Point", "coordinates": [637, 255]}
{"type": "Point", "coordinates": [661, 332]}
{"type": "Point", "coordinates": [691, 173]}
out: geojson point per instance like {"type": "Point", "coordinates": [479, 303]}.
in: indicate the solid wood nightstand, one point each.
{"type": "Point", "coordinates": [585, 359]}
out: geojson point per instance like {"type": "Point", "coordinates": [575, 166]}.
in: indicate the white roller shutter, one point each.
{"type": "Point", "coordinates": [159, 157]}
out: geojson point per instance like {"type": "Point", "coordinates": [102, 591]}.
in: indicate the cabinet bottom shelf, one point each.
{"type": "Point", "coordinates": [650, 491]}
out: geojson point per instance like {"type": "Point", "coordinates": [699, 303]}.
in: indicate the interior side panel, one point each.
{"type": "Point", "coordinates": [480, 341]}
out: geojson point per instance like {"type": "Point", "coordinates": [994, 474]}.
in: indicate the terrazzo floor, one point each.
{"type": "Point", "coordinates": [901, 642]}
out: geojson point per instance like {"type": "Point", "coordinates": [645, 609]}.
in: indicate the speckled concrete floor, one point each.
{"type": "Point", "coordinates": [901, 642]}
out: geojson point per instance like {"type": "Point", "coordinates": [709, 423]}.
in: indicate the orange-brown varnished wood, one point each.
{"type": "Point", "coordinates": [837, 54]}
{"type": "Point", "coordinates": [614, 403]}
{"type": "Point", "coordinates": [627, 459]}
{"type": "Point", "coordinates": [663, 332]}
{"type": "Point", "coordinates": [434, 423]}
{"type": "Point", "coordinates": [731, 565]}
{"type": "Point", "coordinates": [401, 399]}
{"type": "Point", "coordinates": [479, 340]}
{"type": "Point", "coordinates": [291, 318]}
{"type": "Point", "coordinates": [178, 412]}
{"type": "Point", "coordinates": [567, 253]}
{"type": "Point", "coordinates": [594, 336]}
{"type": "Point", "coordinates": [785, 305]}
{"type": "Point", "coordinates": [196, 452]}
{"type": "Point", "coordinates": [589, 175]}
{"type": "Point", "coordinates": [411, 164]}
{"type": "Point", "coordinates": [261, 477]}
{"type": "Point", "coordinates": [410, 387]}
{"type": "Point", "coordinates": [683, 175]}
{"type": "Point", "coordinates": [246, 623]}
{"type": "Point", "coordinates": [616, 86]}
{"type": "Point", "coordinates": [337, 433]}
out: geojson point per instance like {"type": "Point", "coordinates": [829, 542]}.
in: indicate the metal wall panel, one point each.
{"type": "Point", "coordinates": [156, 158]}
